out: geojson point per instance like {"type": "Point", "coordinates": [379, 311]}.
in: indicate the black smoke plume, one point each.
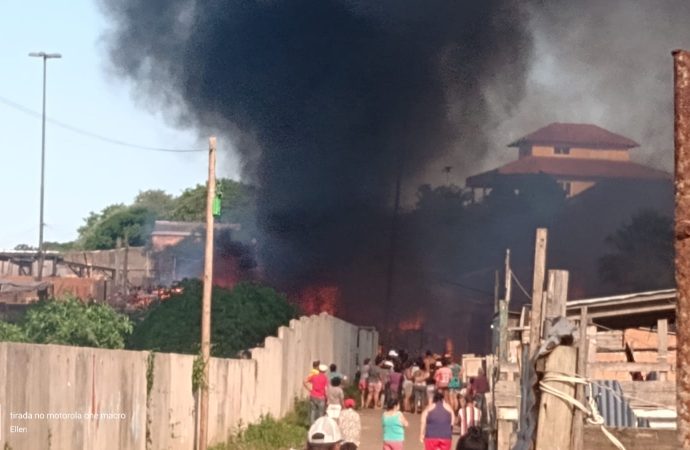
{"type": "Point", "coordinates": [327, 102]}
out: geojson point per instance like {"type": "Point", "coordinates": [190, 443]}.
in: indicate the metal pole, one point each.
{"type": "Point", "coordinates": [43, 170]}
{"type": "Point", "coordinates": [41, 256]}
{"type": "Point", "coordinates": [682, 237]}
{"type": "Point", "coordinates": [206, 299]}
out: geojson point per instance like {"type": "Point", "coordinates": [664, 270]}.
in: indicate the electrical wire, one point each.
{"type": "Point", "coordinates": [524, 291]}
{"type": "Point", "coordinates": [92, 135]}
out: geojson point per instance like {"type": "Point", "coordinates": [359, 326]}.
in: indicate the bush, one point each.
{"type": "Point", "coordinates": [268, 434]}
{"type": "Point", "coordinates": [72, 322]}
{"type": "Point", "coordinates": [10, 332]}
{"type": "Point", "coordinates": [241, 319]}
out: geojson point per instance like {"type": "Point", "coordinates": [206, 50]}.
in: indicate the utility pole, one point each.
{"type": "Point", "coordinates": [537, 290]}
{"type": "Point", "coordinates": [509, 278]}
{"type": "Point", "coordinates": [503, 312]}
{"type": "Point", "coordinates": [41, 255]}
{"type": "Point", "coordinates": [681, 77]}
{"type": "Point", "coordinates": [206, 298]}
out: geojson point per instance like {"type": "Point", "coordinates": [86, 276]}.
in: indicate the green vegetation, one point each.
{"type": "Point", "coordinates": [70, 322]}
{"type": "Point", "coordinates": [242, 318]}
{"type": "Point", "coordinates": [134, 223]}
{"type": "Point", "coordinates": [10, 332]}
{"type": "Point", "coordinates": [272, 434]}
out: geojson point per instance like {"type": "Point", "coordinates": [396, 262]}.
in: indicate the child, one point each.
{"type": "Point", "coordinates": [394, 424]}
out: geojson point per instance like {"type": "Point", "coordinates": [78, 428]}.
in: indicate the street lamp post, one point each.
{"type": "Point", "coordinates": [41, 255]}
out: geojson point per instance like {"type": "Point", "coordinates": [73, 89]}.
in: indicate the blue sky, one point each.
{"type": "Point", "coordinates": [82, 174]}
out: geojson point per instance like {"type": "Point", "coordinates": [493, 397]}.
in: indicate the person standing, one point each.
{"type": "Point", "coordinates": [316, 385]}
{"type": "Point", "coordinates": [324, 434]}
{"type": "Point", "coordinates": [480, 386]}
{"type": "Point", "coordinates": [394, 424]}
{"type": "Point", "coordinates": [374, 386]}
{"type": "Point", "coordinates": [442, 378]}
{"type": "Point", "coordinates": [408, 386]}
{"type": "Point", "coordinates": [419, 389]}
{"type": "Point", "coordinates": [468, 416]}
{"type": "Point", "coordinates": [362, 385]}
{"type": "Point", "coordinates": [455, 385]}
{"type": "Point", "coordinates": [437, 425]}
{"type": "Point", "coordinates": [350, 424]}
{"type": "Point", "coordinates": [395, 383]}
{"type": "Point", "coordinates": [335, 399]}
{"type": "Point", "coordinates": [333, 373]}
{"type": "Point", "coordinates": [473, 440]}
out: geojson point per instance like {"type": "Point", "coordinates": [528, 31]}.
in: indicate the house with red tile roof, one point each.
{"type": "Point", "coordinates": [576, 155]}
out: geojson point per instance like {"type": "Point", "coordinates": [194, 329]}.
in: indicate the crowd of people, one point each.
{"type": "Point", "coordinates": [430, 385]}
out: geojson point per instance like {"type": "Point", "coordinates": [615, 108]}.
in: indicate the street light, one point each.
{"type": "Point", "coordinates": [41, 257]}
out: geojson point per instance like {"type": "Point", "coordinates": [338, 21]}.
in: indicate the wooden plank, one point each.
{"type": "Point", "coordinates": [505, 433]}
{"type": "Point", "coordinates": [537, 289]}
{"type": "Point", "coordinates": [631, 438]}
{"type": "Point", "coordinates": [555, 415]}
{"type": "Point", "coordinates": [648, 393]}
{"type": "Point", "coordinates": [579, 419]}
{"type": "Point", "coordinates": [662, 335]}
{"type": "Point", "coordinates": [630, 366]}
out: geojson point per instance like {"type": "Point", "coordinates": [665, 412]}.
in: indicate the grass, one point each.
{"type": "Point", "coordinates": [271, 434]}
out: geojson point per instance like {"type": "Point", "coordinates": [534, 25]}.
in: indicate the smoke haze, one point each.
{"type": "Point", "coordinates": [327, 102]}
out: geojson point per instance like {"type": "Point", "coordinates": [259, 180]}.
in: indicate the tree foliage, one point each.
{"type": "Point", "coordinates": [642, 254]}
{"type": "Point", "coordinates": [101, 230]}
{"type": "Point", "coordinates": [241, 318]}
{"type": "Point", "coordinates": [131, 223]}
{"type": "Point", "coordinates": [69, 322]}
{"type": "Point", "coordinates": [157, 201]}
{"type": "Point", "coordinates": [10, 332]}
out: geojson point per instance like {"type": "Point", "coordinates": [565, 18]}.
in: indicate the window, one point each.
{"type": "Point", "coordinates": [561, 150]}
{"type": "Point", "coordinates": [566, 186]}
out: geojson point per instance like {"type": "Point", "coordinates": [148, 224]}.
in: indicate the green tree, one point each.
{"type": "Point", "coordinates": [60, 246]}
{"type": "Point", "coordinates": [23, 247]}
{"type": "Point", "coordinates": [159, 202]}
{"type": "Point", "coordinates": [135, 223]}
{"type": "Point", "coordinates": [237, 202]}
{"type": "Point", "coordinates": [242, 318]}
{"type": "Point", "coordinates": [190, 206]}
{"type": "Point", "coordinates": [70, 322]}
{"type": "Point", "coordinates": [642, 254]}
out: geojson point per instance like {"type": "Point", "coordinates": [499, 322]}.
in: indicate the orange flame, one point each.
{"type": "Point", "coordinates": [318, 299]}
{"type": "Point", "coordinates": [413, 324]}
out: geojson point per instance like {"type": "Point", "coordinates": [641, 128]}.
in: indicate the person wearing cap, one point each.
{"type": "Point", "coordinates": [324, 434]}
{"type": "Point", "coordinates": [316, 385]}
{"type": "Point", "coordinates": [350, 423]}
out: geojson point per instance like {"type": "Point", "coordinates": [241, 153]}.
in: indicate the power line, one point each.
{"type": "Point", "coordinates": [92, 135]}
{"type": "Point", "coordinates": [524, 291]}
{"type": "Point", "coordinates": [469, 288]}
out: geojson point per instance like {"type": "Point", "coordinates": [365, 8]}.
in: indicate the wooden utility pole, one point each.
{"type": "Point", "coordinates": [503, 312]}
{"type": "Point", "coordinates": [681, 77]}
{"type": "Point", "coordinates": [509, 278]}
{"type": "Point", "coordinates": [556, 298]}
{"type": "Point", "coordinates": [555, 415]}
{"type": "Point", "coordinates": [537, 290]}
{"type": "Point", "coordinates": [206, 298]}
